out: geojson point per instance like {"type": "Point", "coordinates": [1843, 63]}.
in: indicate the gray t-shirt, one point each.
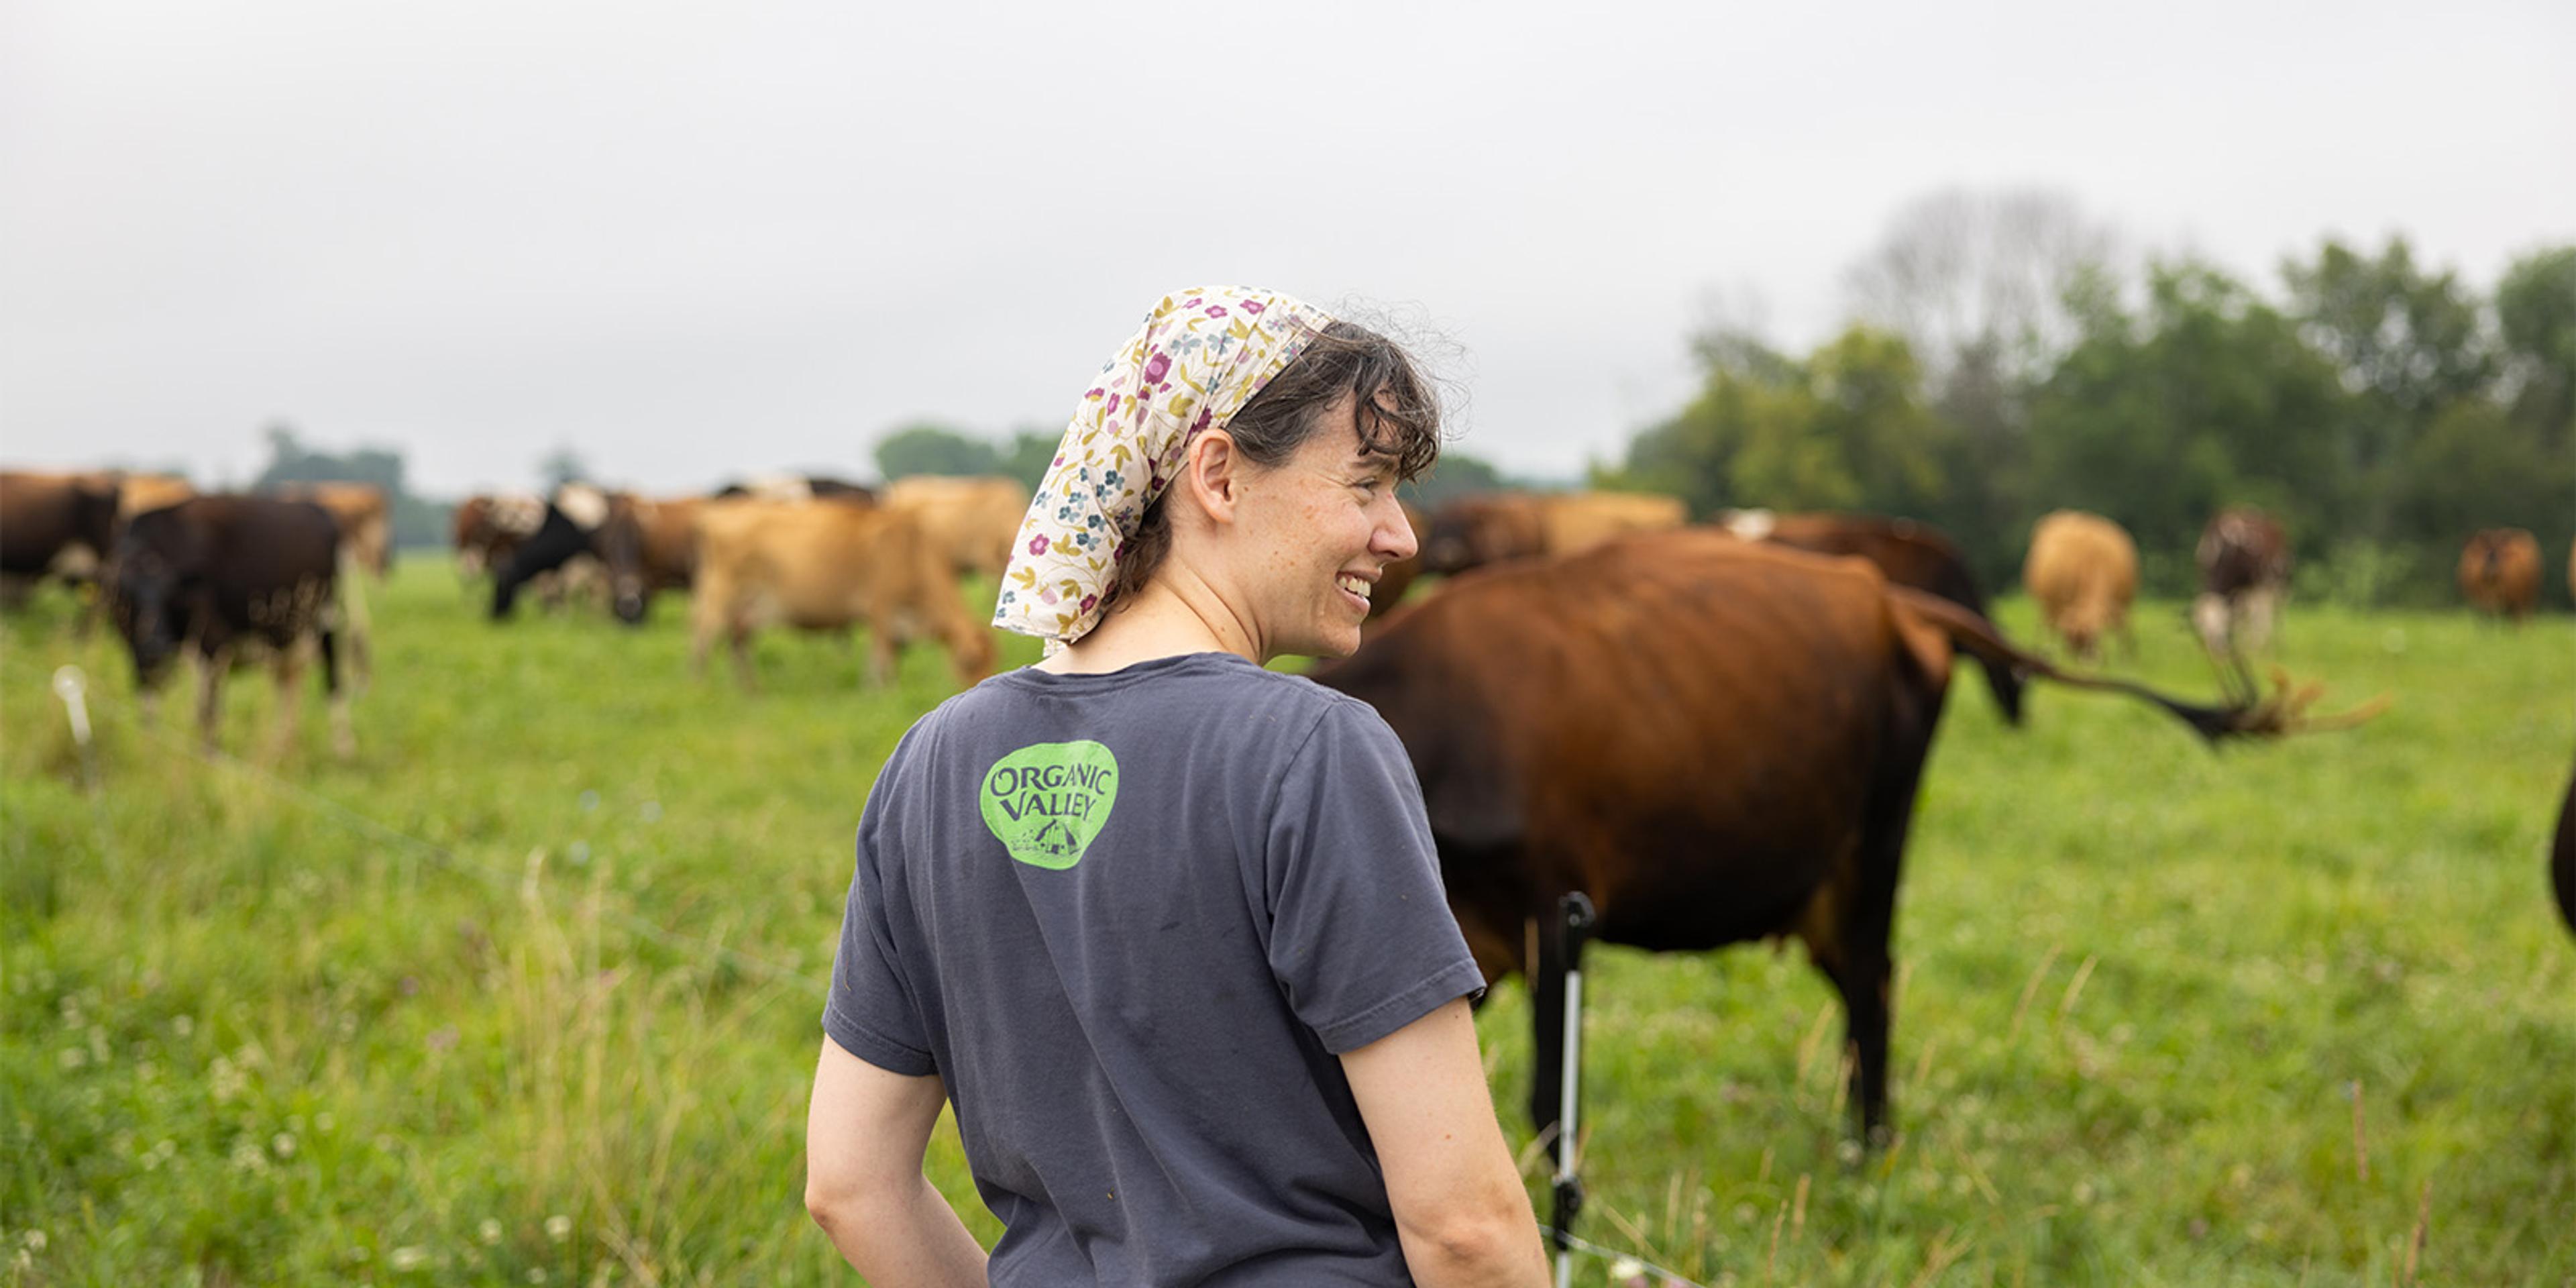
{"type": "Point", "coordinates": [1132, 919]}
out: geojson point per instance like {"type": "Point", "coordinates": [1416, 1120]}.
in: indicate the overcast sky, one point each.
{"type": "Point", "coordinates": [696, 241]}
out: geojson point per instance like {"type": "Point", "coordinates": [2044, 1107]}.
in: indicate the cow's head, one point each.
{"type": "Point", "coordinates": [620, 543]}
{"type": "Point", "coordinates": [149, 583]}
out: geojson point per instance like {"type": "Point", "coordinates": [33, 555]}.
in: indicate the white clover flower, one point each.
{"type": "Point", "coordinates": [407, 1258]}
{"type": "Point", "coordinates": [284, 1145]}
{"type": "Point", "coordinates": [490, 1230]}
{"type": "Point", "coordinates": [558, 1227]}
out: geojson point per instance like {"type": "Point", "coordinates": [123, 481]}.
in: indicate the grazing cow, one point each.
{"type": "Point", "coordinates": [233, 576]}
{"type": "Point", "coordinates": [2500, 573]}
{"type": "Point", "coordinates": [1491, 527]}
{"type": "Point", "coordinates": [825, 566]}
{"type": "Point", "coordinates": [565, 542]}
{"type": "Point", "coordinates": [971, 521]}
{"type": "Point", "coordinates": [798, 487]}
{"type": "Point", "coordinates": [366, 522]}
{"type": "Point", "coordinates": [2244, 557]}
{"type": "Point", "coordinates": [648, 546]}
{"type": "Point", "coordinates": [1716, 740]}
{"type": "Point", "coordinates": [54, 525]}
{"type": "Point", "coordinates": [2083, 571]}
{"type": "Point", "coordinates": [1909, 553]}
{"type": "Point", "coordinates": [488, 530]}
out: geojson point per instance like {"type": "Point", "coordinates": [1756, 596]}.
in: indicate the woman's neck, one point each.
{"type": "Point", "coordinates": [1177, 612]}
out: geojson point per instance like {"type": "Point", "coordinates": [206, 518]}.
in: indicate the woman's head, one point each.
{"type": "Point", "coordinates": [1352, 393]}
{"type": "Point", "coordinates": [1246, 441]}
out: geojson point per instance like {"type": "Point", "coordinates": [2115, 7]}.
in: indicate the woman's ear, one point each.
{"type": "Point", "coordinates": [1214, 472]}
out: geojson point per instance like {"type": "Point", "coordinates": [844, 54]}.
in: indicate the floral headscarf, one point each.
{"type": "Point", "coordinates": [1199, 357]}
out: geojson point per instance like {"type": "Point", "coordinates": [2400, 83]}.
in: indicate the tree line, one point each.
{"type": "Point", "coordinates": [1998, 368]}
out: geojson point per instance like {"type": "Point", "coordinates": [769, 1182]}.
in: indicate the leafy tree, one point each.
{"type": "Point", "coordinates": [1029, 456]}
{"type": "Point", "coordinates": [1454, 475]}
{"type": "Point", "coordinates": [2536, 316]}
{"type": "Point", "coordinates": [927, 448]}
{"type": "Point", "coordinates": [2408, 342]}
{"type": "Point", "coordinates": [290, 461]}
{"type": "Point", "coordinates": [2206, 398]}
{"type": "Point", "coordinates": [1847, 427]}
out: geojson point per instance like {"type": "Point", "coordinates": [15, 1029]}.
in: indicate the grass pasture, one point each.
{"type": "Point", "coordinates": [527, 993]}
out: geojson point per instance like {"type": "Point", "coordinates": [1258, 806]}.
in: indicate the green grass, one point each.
{"type": "Point", "coordinates": [527, 992]}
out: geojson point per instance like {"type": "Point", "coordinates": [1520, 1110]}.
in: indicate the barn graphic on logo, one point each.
{"type": "Point", "coordinates": [1046, 802]}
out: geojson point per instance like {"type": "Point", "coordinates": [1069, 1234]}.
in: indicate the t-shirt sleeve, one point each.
{"type": "Point", "coordinates": [871, 1012]}
{"type": "Point", "coordinates": [1361, 936]}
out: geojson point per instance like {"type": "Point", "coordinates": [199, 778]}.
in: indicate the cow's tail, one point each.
{"type": "Point", "coordinates": [2283, 711]}
{"type": "Point", "coordinates": [353, 616]}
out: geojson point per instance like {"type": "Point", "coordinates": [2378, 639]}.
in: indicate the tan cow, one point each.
{"type": "Point", "coordinates": [2500, 573]}
{"type": "Point", "coordinates": [825, 566]}
{"type": "Point", "coordinates": [970, 521]}
{"type": "Point", "coordinates": [143, 493]}
{"type": "Point", "coordinates": [2083, 570]}
{"type": "Point", "coordinates": [1492, 527]}
{"type": "Point", "coordinates": [366, 522]}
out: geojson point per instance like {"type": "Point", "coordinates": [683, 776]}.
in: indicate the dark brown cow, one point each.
{"type": "Point", "coordinates": [1716, 740]}
{"type": "Point", "coordinates": [2244, 557]}
{"type": "Point", "coordinates": [649, 546]}
{"type": "Point", "coordinates": [2500, 573]}
{"type": "Point", "coordinates": [1910, 553]}
{"type": "Point", "coordinates": [232, 576]}
{"type": "Point", "coordinates": [61, 525]}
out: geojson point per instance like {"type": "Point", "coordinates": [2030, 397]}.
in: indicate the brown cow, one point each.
{"type": "Point", "coordinates": [2083, 572]}
{"type": "Point", "coordinates": [54, 525]}
{"type": "Point", "coordinates": [366, 522]}
{"type": "Point", "coordinates": [1910, 553]}
{"type": "Point", "coordinates": [648, 546]}
{"type": "Point", "coordinates": [2244, 557]}
{"type": "Point", "coordinates": [2500, 573]}
{"type": "Point", "coordinates": [823, 565]}
{"type": "Point", "coordinates": [1716, 740]}
{"type": "Point", "coordinates": [231, 576]}
{"type": "Point", "coordinates": [1491, 527]}
{"type": "Point", "coordinates": [970, 521]}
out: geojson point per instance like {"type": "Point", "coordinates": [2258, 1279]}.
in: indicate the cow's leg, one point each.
{"type": "Point", "coordinates": [1547, 1023]}
{"type": "Point", "coordinates": [741, 632]}
{"type": "Point", "coordinates": [344, 742]}
{"type": "Point", "coordinates": [286, 672]}
{"type": "Point", "coordinates": [211, 665]}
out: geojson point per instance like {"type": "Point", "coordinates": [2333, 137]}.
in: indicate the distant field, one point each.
{"type": "Point", "coordinates": [527, 994]}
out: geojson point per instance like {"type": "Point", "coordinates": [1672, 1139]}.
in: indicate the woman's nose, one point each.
{"type": "Point", "coordinates": [1394, 537]}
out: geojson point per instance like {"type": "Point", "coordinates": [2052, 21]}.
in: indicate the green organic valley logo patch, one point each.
{"type": "Point", "coordinates": [1047, 800]}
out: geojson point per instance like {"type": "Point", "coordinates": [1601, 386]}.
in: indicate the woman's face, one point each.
{"type": "Point", "coordinates": [1317, 531]}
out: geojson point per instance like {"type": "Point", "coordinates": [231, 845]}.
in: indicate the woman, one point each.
{"type": "Point", "coordinates": [1165, 925]}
